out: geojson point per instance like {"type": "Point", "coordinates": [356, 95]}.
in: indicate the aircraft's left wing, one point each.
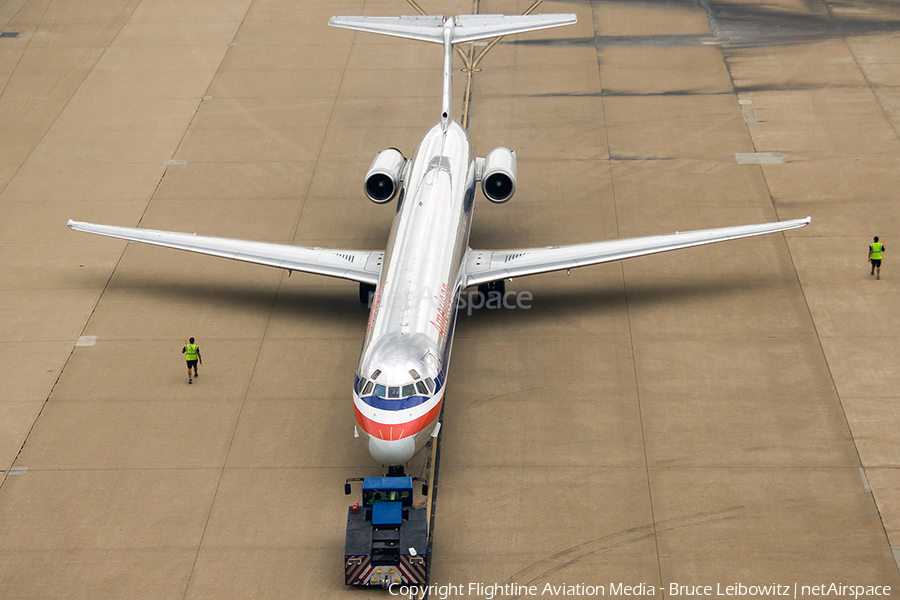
{"type": "Point", "coordinates": [484, 266]}
{"type": "Point", "coordinates": [363, 266]}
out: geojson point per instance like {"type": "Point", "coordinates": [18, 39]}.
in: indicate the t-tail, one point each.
{"type": "Point", "coordinates": [449, 31]}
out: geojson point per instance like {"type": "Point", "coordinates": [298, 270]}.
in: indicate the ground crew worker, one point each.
{"type": "Point", "coordinates": [875, 250]}
{"type": "Point", "coordinates": [191, 353]}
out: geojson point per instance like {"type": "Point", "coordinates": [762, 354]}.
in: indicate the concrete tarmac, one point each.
{"type": "Point", "coordinates": [724, 415]}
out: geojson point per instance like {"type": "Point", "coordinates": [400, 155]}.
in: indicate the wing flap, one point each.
{"type": "Point", "coordinates": [363, 266]}
{"type": "Point", "coordinates": [483, 266]}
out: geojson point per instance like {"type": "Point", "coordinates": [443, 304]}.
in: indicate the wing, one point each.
{"type": "Point", "coordinates": [483, 266]}
{"type": "Point", "coordinates": [363, 266]}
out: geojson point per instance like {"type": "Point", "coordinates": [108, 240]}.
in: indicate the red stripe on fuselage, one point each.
{"type": "Point", "coordinates": [397, 431]}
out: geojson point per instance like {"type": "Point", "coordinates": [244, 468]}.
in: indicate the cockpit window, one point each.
{"type": "Point", "coordinates": [367, 387]}
{"type": "Point", "coordinates": [414, 373]}
{"type": "Point", "coordinates": [376, 373]}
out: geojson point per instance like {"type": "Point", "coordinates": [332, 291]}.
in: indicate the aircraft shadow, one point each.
{"type": "Point", "coordinates": [310, 303]}
{"type": "Point", "coordinates": [337, 305]}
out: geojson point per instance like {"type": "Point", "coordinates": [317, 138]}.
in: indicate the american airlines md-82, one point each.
{"type": "Point", "coordinates": [418, 278]}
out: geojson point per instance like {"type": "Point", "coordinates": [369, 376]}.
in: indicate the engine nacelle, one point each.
{"type": "Point", "coordinates": [384, 176]}
{"type": "Point", "coordinates": [498, 175]}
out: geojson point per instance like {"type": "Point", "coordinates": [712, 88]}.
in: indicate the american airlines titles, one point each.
{"type": "Point", "coordinates": [376, 304]}
{"type": "Point", "coordinates": [442, 319]}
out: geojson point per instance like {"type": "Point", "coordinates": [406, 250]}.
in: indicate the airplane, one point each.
{"type": "Point", "coordinates": [416, 282]}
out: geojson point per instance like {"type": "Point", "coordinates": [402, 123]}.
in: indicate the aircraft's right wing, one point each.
{"type": "Point", "coordinates": [363, 266]}
{"type": "Point", "coordinates": [484, 266]}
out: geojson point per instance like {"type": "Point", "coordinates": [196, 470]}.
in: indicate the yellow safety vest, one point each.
{"type": "Point", "coordinates": [190, 351]}
{"type": "Point", "coordinates": [876, 249]}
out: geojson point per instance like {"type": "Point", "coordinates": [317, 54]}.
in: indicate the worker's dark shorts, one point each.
{"type": "Point", "coordinates": [191, 363]}
{"type": "Point", "coordinates": [876, 262]}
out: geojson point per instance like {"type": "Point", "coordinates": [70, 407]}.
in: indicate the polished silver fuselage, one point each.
{"type": "Point", "coordinates": [413, 310]}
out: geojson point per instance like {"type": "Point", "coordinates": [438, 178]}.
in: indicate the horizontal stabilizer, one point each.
{"type": "Point", "coordinates": [426, 29]}
{"type": "Point", "coordinates": [479, 27]}
{"type": "Point", "coordinates": [467, 28]}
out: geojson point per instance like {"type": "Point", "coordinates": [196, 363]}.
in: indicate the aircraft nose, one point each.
{"type": "Point", "coordinates": [391, 453]}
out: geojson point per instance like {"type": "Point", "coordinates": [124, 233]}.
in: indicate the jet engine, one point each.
{"type": "Point", "coordinates": [498, 176]}
{"type": "Point", "coordinates": [384, 176]}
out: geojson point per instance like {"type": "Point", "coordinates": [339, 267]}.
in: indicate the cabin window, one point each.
{"type": "Point", "coordinates": [408, 390]}
{"type": "Point", "coordinates": [368, 389]}
{"type": "Point", "coordinates": [421, 387]}
{"type": "Point", "coordinates": [393, 392]}
{"type": "Point", "coordinates": [380, 391]}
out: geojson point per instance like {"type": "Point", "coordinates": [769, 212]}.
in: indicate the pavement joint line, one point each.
{"type": "Point", "coordinates": [654, 530]}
